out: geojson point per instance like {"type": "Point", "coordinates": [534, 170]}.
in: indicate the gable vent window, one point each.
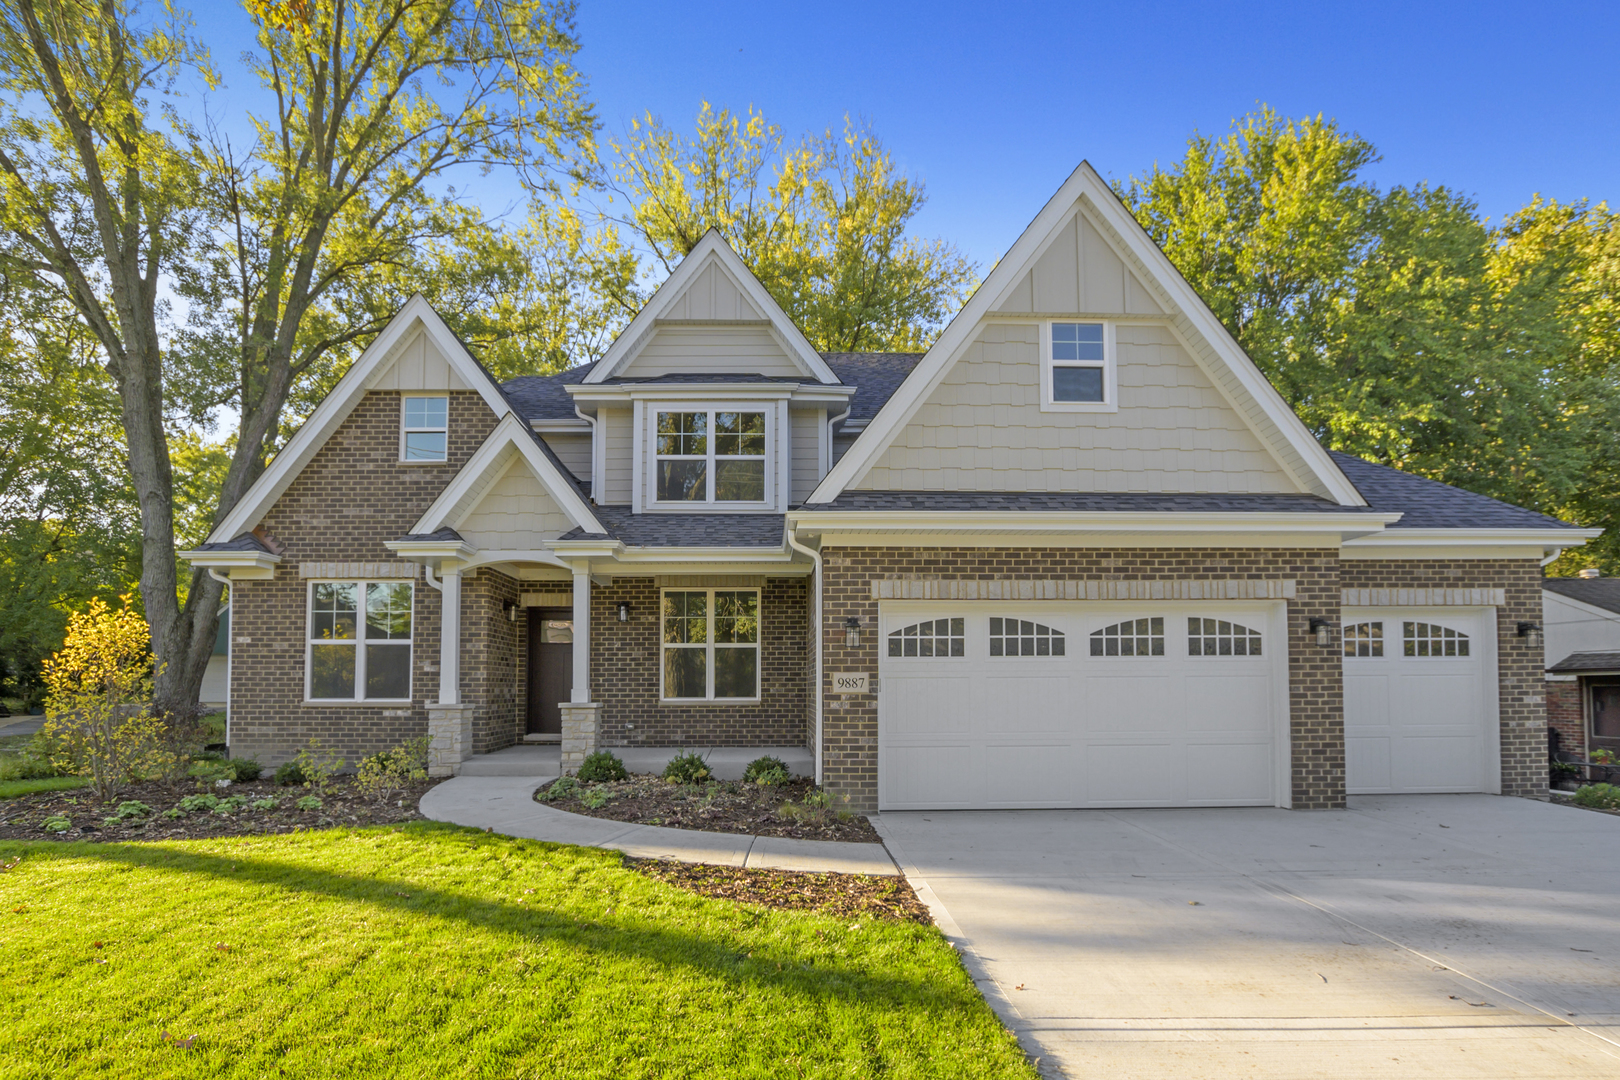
{"type": "Point", "coordinates": [1133, 637]}
{"type": "Point", "coordinates": [1432, 639]}
{"type": "Point", "coordinates": [710, 456]}
{"type": "Point", "coordinates": [1020, 637]}
{"type": "Point", "coordinates": [1364, 639]}
{"type": "Point", "coordinates": [1217, 637]}
{"type": "Point", "coordinates": [931, 637]}
{"type": "Point", "coordinates": [427, 421]}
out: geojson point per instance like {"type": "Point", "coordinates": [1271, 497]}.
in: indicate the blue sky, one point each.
{"type": "Point", "coordinates": [992, 104]}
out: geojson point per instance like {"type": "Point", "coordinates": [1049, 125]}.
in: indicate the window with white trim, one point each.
{"type": "Point", "coordinates": [1432, 639]}
{"type": "Point", "coordinates": [1077, 367]}
{"type": "Point", "coordinates": [425, 429]}
{"type": "Point", "coordinates": [359, 646]}
{"type": "Point", "coordinates": [1364, 639]}
{"type": "Point", "coordinates": [1221, 637]}
{"type": "Point", "coordinates": [711, 644]}
{"type": "Point", "coordinates": [710, 455]}
{"type": "Point", "coordinates": [1023, 637]}
{"type": "Point", "coordinates": [1133, 637]}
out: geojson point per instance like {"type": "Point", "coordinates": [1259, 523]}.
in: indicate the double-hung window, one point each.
{"type": "Point", "coordinates": [1077, 367]}
{"type": "Point", "coordinates": [425, 428]}
{"type": "Point", "coordinates": [711, 644]}
{"type": "Point", "coordinates": [359, 641]}
{"type": "Point", "coordinates": [710, 456]}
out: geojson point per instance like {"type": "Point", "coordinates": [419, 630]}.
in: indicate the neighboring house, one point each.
{"type": "Point", "coordinates": [216, 684]}
{"type": "Point", "coordinates": [1079, 553]}
{"type": "Point", "coordinates": [1582, 620]}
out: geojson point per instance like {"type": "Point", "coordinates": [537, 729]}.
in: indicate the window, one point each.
{"type": "Point", "coordinates": [710, 456]}
{"type": "Point", "coordinates": [427, 419]}
{"type": "Point", "coordinates": [1217, 637]}
{"type": "Point", "coordinates": [1077, 369]}
{"type": "Point", "coordinates": [711, 644]}
{"type": "Point", "coordinates": [1605, 711]}
{"type": "Point", "coordinates": [931, 637]}
{"type": "Point", "coordinates": [1364, 639]}
{"type": "Point", "coordinates": [1133, 637]}
{"type": "Point", "coordinates": [1020, 637]}
{"type": "Point", "coordinates": [359, 659]}
{"type": "Point", "coordinates": [1432, 639]}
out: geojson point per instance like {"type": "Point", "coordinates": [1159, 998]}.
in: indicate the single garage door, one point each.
{"type": "Point", "coordinates": [1420, 701]}
{"type": "Point", "coordinates": [1081, 705]}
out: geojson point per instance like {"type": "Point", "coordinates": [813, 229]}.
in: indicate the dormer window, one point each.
{"type": "Point", "coordinates": [1077, 367]}
{"type": "Point", "coordinates": [710, 456]}
{"type": "Point", "coordinates": [426, 425]}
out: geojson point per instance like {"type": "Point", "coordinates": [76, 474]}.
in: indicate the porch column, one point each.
{"type": "Point", "coordinates": [582, 633]}
{"type": "Point", "coordinates": [450, 638]}
{"type": "Point", "coordinates": [581, 718]}
{"type": "Point", "coordinates": [449, 721]}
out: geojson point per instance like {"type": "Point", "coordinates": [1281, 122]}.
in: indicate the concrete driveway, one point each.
{"type": "Point", "coordinates": [1441, 936]}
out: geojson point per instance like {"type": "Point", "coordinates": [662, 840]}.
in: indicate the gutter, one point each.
{"type": "Point", "coordinates": [815, 557]}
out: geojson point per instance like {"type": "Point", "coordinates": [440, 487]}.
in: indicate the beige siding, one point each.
{"type": "Point", "coordinates": [418, 365]}
{"type": "Point", "coordinates": [982, 428]}
{"type": "Point", "coordinates": [1079, 272]}
{"type": "Point", "coordinates": [516, 513]}
{"type": "Point", "coordinates": [713, 295]}
{"type": "Point", "coordinates": [573, 450]}
{"type": "Point", "coordinates": [618, 444]}
{"type": "Point", "coordinates": [806, 444]}
{"type": "Point", "coordinates": [679, 350]}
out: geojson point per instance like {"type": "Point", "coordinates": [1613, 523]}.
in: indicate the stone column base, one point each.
{"type": "Point", "coordinates": [581, 726]}
{"type": "Point", "coordinates": [449, 738]}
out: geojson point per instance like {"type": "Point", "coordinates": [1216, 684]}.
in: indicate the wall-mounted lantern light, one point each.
{"type": "Point", "coordinates": [510, 607]}
{"type": "Point", "coordinates": [1322, 630]}
{"type": "Point", "coordinates": [1531, 632]}
{"type": "Point", "coordinates": [852, 632]}
{"type": "Point", "coordinates": [624, 611]}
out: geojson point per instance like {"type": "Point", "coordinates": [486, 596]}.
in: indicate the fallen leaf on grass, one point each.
{"type": "Point", "coordinates": [184, 1044]}
{"type": "Point", "coordinates": [12, 865]}
{"type": "Point", "coordinates": [20, 909]}
{"type": "Point", "coordinates": [220, 946]}
{"type": "Point", "coordinates": [95, 944]}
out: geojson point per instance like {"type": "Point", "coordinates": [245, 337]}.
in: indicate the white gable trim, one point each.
{"type": "Point", "coordinates": [488, 464]}
{"type": "Point", "coordinates": [903, 407]}
{"type": "Point", "coordinates": [711, 249]}
{"type": "Point", "coordinates": [337, 405]}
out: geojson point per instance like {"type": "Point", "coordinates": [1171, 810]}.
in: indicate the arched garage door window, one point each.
{"type": "Point", "coordinates": [1432, 639]}
{"type": "Point", "coordinates": [1021, 637]}
{"type": "Point", "coordinates": [1133, 637]}
{"type": "Point", "coordinates": [931, 637]}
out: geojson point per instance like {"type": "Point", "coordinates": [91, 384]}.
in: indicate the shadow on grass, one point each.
{"type": "Point", "coordinates": [822, 980]}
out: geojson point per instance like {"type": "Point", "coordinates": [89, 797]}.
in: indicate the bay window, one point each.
{"type": "Point", "coordinates": [359, 646]}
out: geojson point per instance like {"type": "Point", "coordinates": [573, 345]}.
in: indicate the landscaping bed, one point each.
{"type": "Point", "coordinates": [187, 814]}
{"type": "Point", "coordinates": [844, 896]}
{"type": "Point", "coordinates": [788, 810]}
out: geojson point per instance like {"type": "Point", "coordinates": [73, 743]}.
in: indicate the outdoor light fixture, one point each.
{"type": "Point", "coordinates": [1322, 630]}
{"type": "Point", "coordinates": [1531, 632]}
{"type": "Point", "coordinates": [511, 609]}
{"type": "Point", "coordinates": [852, 632]}
{"type": "Point", "coordinates": [624, 611]}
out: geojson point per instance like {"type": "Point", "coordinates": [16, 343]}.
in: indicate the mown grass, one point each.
{"type": "Point", "coordinates": [428, 951]}
{"type": "Point", "coordinates": [10, 789]}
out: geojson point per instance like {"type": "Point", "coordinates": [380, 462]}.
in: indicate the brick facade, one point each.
{"type": "Point", "coordinates": [1566, 713]}
{"type": "Point", "coordinates": [1520, 677]}
{"type": "Point", "coordinates": [494, 659]}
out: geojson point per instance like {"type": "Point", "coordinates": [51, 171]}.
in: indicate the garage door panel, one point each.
{"type": "Point", "coordinates": [1144, 698]}
{"type": "Point", "coordinates": [1028, 703]}
{"type": "Point", "coordinates": [1367, 764]}
{"type": "Point", "coordinates": [1366, 697]}
{"type": "Point", "coordinates": [1134, 774]}
{"type": "Point", "coordinates": [1438, 763]}
{"type": "Point", "coordinates": [1233, 773]}
{"type": "Point", "coordinates": [1228, 703]}
{"type": "Point", "coordinates": [931, 704]}
{"type": "Point", "coordinates": [1024, 774]}
{"type": "Point", "coordinates": [940, 775]}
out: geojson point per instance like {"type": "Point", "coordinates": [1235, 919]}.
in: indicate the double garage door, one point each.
{"type": "Point", "coordinates": [1158, 704]}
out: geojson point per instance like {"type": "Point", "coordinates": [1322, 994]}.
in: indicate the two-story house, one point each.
{"type": "Point", "coordinates": [1079, 553]}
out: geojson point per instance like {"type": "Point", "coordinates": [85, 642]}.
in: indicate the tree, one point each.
{"type": "Point", "coordinates": [822, 223]}
{"type": "Point", "coordinates": [289, 252]}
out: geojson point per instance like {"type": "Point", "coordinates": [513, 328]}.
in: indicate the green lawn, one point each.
{"type": "Point", "coordinates": [438, 952]}
{"type": "Point", "coordinates": [10, 789]}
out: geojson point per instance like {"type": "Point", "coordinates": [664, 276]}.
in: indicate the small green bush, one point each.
{"type": "Point", "coordinates": [1600, 796]}
{"type": "Point", "coordinates": [132, 808]}
{"type": "Point", "coordinates": [245, 768]}
{"type": "Point", "coordinates": [384, 774]}
{"type": "Point", "coordinates": [309, 802]}
{"type": "Point", "coordinates": [290, 773]}
{"type": "Point", "coordinates": [559, 789]}
{"type": "Point", "coordinates": [769, 771]}
{"type": "Point", "coordinates": [56, 823]}
{"type": "Point", "coordinates": [602, 765]}
{"type": "Point", "coordinates": [266, 803]}
{"type": "Point", "coordinates": [207, 772]}
{"type": "Point", "coordinates": [320, 763]}
{"type": "Point", "coordinates": [687, 768]}
{"type": "Point", "coordinates": [596, 798]}
{"type": "Point", "coordinates": [198, 802]}
{"type": "Point", "coordinates": [174, 813]}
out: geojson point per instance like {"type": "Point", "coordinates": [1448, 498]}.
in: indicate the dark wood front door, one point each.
{"type": "Point", "coordinates": [551, 667]}
{"type": "Point", "coordinates": [1605, 699]}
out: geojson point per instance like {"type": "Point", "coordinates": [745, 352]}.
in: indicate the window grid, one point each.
{"type": "Point", "coordinates": [1432, 639]}
{"type": "Point", "coordinates": [425, 428]}
{"type": "Point", "coordinates": [1078, 362]}
{"type": "Point", "coordinates": [1364, 639]}
{"type": "Point", "coordinates": [1021, 637]}
{"type": "Point", "coordinates": [1218, 637]}
{"type": "Point", "coordinates": [348, 658]}
{"type": "Point", "coordinates": [932, 637]}
{"type": "Point", "coordinates": [710, 455]}
{"type": "Point", "coordinates": [1133, 637]}
{"type": "Point", "coordinates": [711, 645]}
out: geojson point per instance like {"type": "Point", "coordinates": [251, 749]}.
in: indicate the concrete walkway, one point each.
{"type": "Point", "coordinates": [505, 803]}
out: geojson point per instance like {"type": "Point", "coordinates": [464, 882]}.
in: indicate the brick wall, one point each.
{"type": "Point", "coordinates": [352, 497]}
{"type": "Point", "coordinates": [1316, 693]}
{"type": "Point", "coordinates": [1565, 713]}
{"type": "Point", "coordinates": [1520, 676]}
{"type": "Point", "coordinates": [625, 658]}
{"type": "Point", "coordinates": [494, 659]}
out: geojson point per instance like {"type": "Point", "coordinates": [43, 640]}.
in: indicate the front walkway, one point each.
{"type": "Point", "coordinates": [496, 792]}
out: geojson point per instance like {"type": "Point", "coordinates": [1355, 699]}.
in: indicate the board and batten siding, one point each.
{"type": "Point", "coordinates": [685, 350]}
{"type": "Point", "coordinates": [712, 295]}
{"type": "Point", "coordinates": [574, 451]}
{"type": "Point", "coordinates": [419, 365]}
{"type": "Point", "coordinates": [982, 429]}
{"type": "Point", "coordinates": [515, 514]}
{"type": "Point", "coordinates": [806, 449]}
{"type": "Point", "coordinates": [1080, 272]}
{"type": "Point", "coordinates": [618, 444]}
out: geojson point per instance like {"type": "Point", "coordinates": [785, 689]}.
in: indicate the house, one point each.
{"type": "Point", "coordinates": [1582, 620]}
{"type": "Point", "coordinates": [1079, 553]}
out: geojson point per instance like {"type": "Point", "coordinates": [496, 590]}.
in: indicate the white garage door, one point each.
{"type": "Point", "coordinates": [1420, 708]}
{"type": "Point", "coordinates": [1081, 705]}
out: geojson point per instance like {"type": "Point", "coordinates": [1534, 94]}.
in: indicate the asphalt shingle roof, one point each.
{"type": "Point", "coordinates": [542, 397]}
{"type": "Point", "coordinates": [438, 535]}
{"type": "Point", "coordinates": [245, 542]}
{"type": "Point", "coordinates": [1587, 661]}
{"type": "Point", "coordinates": [875, 376]}
{"type": "Point", "coordinates": [1429, 504]}
{"type": "Point", "coordinates": [1599, 592]}
{"type": "Point", "coordinates": [685, 530]}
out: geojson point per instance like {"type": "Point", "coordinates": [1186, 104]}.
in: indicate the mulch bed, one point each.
{"type": "Point", "coordinates": [23, 818]}
{"type": "Point", "coordinates": [718, 806]}
{"type": "Point", "coordinates": [845, 896]}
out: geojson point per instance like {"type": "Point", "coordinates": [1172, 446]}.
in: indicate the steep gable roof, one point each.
{"type": "Point", "coordinates": [1598, 592]}
{"type": "Point", "coordinates": [1429, 504]}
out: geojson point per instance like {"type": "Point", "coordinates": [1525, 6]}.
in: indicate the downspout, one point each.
{"type": "Point", "coordinates": [815, 557]}
{"type": "Point", "coordinates": [595, 463]}
{"type": "Point", "coordinates": [427, 572]}
{"type": "Point", "coordinates": [226, 581]}
{"type": "Point", "coordinates": [832, 422]}
{"type": "Point", "coordinates": [1553, 557]}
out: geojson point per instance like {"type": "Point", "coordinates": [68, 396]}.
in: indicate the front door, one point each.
{"type": "Point", "coordinates": [1605, 733]}
{"type": "Point", "coordinates": [551, 667]}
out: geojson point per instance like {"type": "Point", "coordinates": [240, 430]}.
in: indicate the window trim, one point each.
{"type": "Point", "coordinates": [405, 430]}
{"type": "Point", "coordinates": [1109, 366]}
{"type": "Point", "coordinates": [359, 640]}
{"type": "Point", "coordinates": [650, 437]}
{"type": "Point", "coordinates": [709, 647]}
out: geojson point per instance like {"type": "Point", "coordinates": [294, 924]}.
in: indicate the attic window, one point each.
{"type": "Point", "coordinates": [423, 433]}
{"type": "Point", "coordinates": [1077, 370]}
{"type": "Point", "coordinates": [711, 456]}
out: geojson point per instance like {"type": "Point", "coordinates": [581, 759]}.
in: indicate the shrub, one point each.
{"type": "Point", "coordinates": [1601, 796]}
{"type": "Point", "coordinates": [318, 764]}
{"type": "Point", "coordinates": [817, 806]}
{"type": "Point", "coordinates": [687, 768]}
{"type": "Point", "coordinates": [198, 802]}
{"type": "Point", "coordinates": [133, 809]}
{"type": "Point", "coordinates": [308, 802]}
{"type": "Point", "coordinates": [381, 775]}
{"type": "Point", "coordinates": [245, 768]}
{"type": "Point", "coordinates": [602, 765]}
{"type": "Point", "coordinates": [266, 803]}
{"type": "Point", "coordinates": [596, 798]}
{"type": "Point", "coordinates": [208, 772]}
{"type": "Point", "coordinates": [290, 773]}
{"type": "Point", "coordinates": [56, 823]}
{"type": "Point", "coordinates": [33, 764]}
{"type": "Point", "coordinates": [767, 770]}
{"type": "Point", "coordinates": [559, 789]}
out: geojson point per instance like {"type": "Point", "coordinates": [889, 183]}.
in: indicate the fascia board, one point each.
{"type": "Point", "coordinates": [341, 401]}
{"type": "Point", "coordinates": [1477, 538]}
{"type": "Point", "coordinates": [431, 549]}
{"type": "Point", "coordinates": [560, 427]}
{"type": "Point", "coordinates": [1059, 522]}
{"type": "Point", "coordinates": [508, 433]}
{"type": "Point", "coordinates": [575, 549]}
{"type": "Point", "coordinates": [225, 560]}
{"type": "Point", "coordinates": [705, 554]}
